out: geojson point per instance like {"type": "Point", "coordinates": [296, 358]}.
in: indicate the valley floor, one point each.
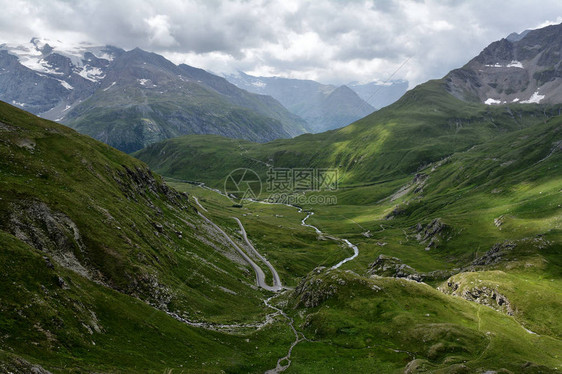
{"type": "Point", "coordinates": [374, 323]}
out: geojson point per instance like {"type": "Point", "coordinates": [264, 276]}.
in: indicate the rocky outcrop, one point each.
{"type": "Point", "coordinates": [386, 266]}
{"type": "Point", "coordinates": [524, 69]}
{"type": "Point", "coordinates": [58, 236]}
{"type": "Point", "coordinates": [482, 295]}
{"type": "Point", "coordinates": [431, 234]}
{"type": "Point", "coordinates": [140, 181]}
{"type": "Point", "coordinates": [49, 231]}
{"type": "Point", "coordinates": [17, 365]}
{"type": "Point", "coordinates": [314, 290]}
{"type": "Point", "coordinates": [494, 255]}
{"type": "Point", "coordinates": [323, 283]}
{"type": "Point", "coordinates": [416, 186]}
{"type": "Point", "coordinates": [147, 287]}
{"type": "Point", "coordinates": [413, 189]}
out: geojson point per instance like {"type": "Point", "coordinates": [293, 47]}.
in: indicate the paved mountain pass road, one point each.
{"type": "Point", "coordinates": [260, 275]}
{"type": "Point", "coordinates": [276, 280]}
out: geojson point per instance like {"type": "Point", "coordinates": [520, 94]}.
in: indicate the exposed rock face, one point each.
{"type": "Point", "coordinates": [60, 238]}
{"type": "Point", "coordinates": [313, 290]}
{"type": "Point", "coordinates": [18, 365]}
{"type": "Point", "coordinates": [482, 295]}
{"type": "Point", "coordinates": [494, 255]}
{"type": "Point", "coordinates": [51, 232]}
{"type": "Point", "coordinates": [416, 186]}
{"type": "Point", "coordinates": [323, 283]}
{"type": "Point", "coordinates": [522, 69]}
{"type": "Point", "coordinates": [44, 81]}
{"type": "Point", "coordinates": [387, 266]}
{"type": "Point", "coordinates": [432, 233]}
{"type": "Point", "coordinates": [139, 181]}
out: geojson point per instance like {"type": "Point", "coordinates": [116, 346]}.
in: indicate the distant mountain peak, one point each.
{"type": "Point", "coordinates": [515, 37]}
{"type": "Point", "coordinates": [522, 68]}
{"type": "Point", "coordinates": [323, 106]}
{"type": "Point", "coordinates": [130, 99]}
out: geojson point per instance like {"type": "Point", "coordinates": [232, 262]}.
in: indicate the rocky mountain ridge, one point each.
{"type": "Point", "coordinates": [522, 68]}
{"type": "Point", "coordinates": [129, 99]}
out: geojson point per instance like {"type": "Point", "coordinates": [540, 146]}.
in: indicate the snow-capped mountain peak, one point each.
{"type": "Point", "coordinates": [42, 56]}
{"type": "Point", "coordinates": [47, 76]}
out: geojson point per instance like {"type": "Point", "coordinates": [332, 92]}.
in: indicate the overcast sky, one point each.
{"type": "Point", "coordinates": [329, 41]}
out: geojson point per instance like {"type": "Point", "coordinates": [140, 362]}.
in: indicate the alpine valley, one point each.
{"type": "Point", "coordinates": [439, 250]}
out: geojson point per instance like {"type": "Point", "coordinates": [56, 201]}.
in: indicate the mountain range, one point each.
{"type": "Point", "coordinates": [437, 249]}
{"type": "Point", "coordinates": [520, 68]}
{"type": "Point", "coordinates": [324, 107]}
{"type": "Point", "coordinates": [130, 99]}
{"type": "Point", "coordinates": [428, 123]}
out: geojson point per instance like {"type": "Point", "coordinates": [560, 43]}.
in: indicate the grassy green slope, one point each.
{"type": "Point", "coordinates": [149, 236]}
{"type": "Point", "coordinates": [496, 197]}
{"type": "Point", "coordinates": [86, 327]}
{"type": "Point", "coordinates": [276, 232]}
{"type": "Point", "coordinates": [426, 125]}
{"type": "Point", "coordinates": [500, 205]}
{"type": "Point", "coordinates": [90, 240]}
{"type": "Point", "coordinates": [130, 117]}
{"type": "Point", "coordinates": [491, 179]}
{"type": "Point", "coordinates": [388, 325]}
{"type": "Point", "coordinates": [353, 322]}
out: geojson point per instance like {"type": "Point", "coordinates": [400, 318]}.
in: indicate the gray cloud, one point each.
{"type": "Point", "coordinates": [331, 41]}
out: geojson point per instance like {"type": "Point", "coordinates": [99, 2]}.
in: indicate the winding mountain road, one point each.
{"type": "Point", "coordinates": [198, 203]}
{"type": "Point", "coordinates": [260, 275]}
{"type": "Point", "coordinates": [276, 280]}
{"type": "Point", "coordinates": [284, 362]}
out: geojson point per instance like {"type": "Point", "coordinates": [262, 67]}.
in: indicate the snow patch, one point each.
{"type": "Point", "coordinates": [515, 100]}
{"type": "Point", "coordinates": [534, 99]}
{"type": "Point", "coordinates": [38, 65]}
{"type": "Point", "coordinates": [515, 64]}
{"type": "Point", "coordinates": [491, 101]}
{"type": "Point", "coordinates": [66, 85]}
{"type": "Point", "coordinates": [32, 55]}
{"type": "Point", "coordinates": [18, 103]}
{"type": "Point", "coordinates": [91, 73]}
{"type": "Point", "coordinates": [512, 64]}
{"type": "Point", "coordinates": [101, 53]}
{"type": "Point", "coordinates": [143, 82]}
